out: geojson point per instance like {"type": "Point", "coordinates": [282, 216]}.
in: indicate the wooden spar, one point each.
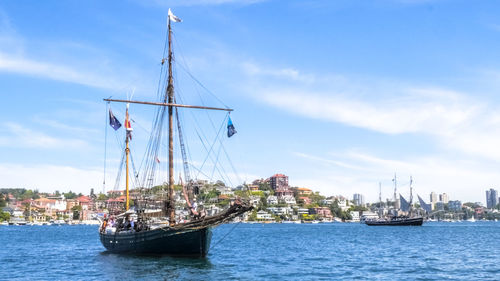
{"type": "Point", "coordinates": [127, 151]}
{"type": "Point", "coordinates": [169, 104]}
{"type": "Point", "coordinates": [170, 92]}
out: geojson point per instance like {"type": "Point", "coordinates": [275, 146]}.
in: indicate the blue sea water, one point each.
{"type": "Point", "coordinates": [339, 251]}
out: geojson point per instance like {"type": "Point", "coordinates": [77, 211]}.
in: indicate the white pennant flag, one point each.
{"type": "Point", "coordinates": [172, 17]}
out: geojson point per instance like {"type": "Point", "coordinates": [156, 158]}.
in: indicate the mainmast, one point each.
{"type": "Point", "coordinates": [396, 199]}
{"type": "Point", "coordinates": [380, 211]}
{"type": "Point", "coordinates": [127, 151]}
{"type": "Point", "coordinates": [411, 193]}
{"type": "Point", "coordinates": [170, 93]}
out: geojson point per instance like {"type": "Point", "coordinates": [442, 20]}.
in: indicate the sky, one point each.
{"type": "Point", "coordinates": [338, 95]}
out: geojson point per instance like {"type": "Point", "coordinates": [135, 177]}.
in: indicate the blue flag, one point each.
{"type": "Point", "coordinates": [230, 128]}
{"type": "Point", "coordinates": [113, 122]}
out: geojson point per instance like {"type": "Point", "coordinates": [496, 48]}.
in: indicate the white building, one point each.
{"type": "Point", "coordinates": [265, 216]}
{"type": "Point", "coordinates": [272, 200]}
{"type": "Point", "coordinates": [303, 211]}
{"type": "Point", "coordinates": [290, 200]}
{"type": "Point", "coordinates": [343, 203]}
{"type": "Point", "coordinates": [280, 211]}
{"type": "Point", "coordinates": [367, 215]}
{"type": "Point", "coordinates": [355, 216]}
{"type": "Point", "coordinates": [328, 201]}
{"type": "Point", "coordinates": [254, 200]}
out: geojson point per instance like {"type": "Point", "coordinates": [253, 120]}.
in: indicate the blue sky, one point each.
{"type": "Point", "coordinates": [339, 95]}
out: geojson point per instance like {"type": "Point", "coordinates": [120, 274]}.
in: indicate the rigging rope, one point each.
{"type": "Point", "coordinates": [105, 146]}
{"type": "Point", "coordinates": [223, 237]}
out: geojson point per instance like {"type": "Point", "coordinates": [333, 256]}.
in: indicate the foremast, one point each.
{"type": "Point", "coordinates": [128, 136]}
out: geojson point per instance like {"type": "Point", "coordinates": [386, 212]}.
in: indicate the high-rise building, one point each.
{"type": "Point", "coordinates": [444, 198]}
{"type": "Point", "coordinates": [433, 199]}
{"type": "Point", "coordinates": [440, 206]}
{"type": "Point", "coordinates": [455, 205]}
{"type": "Point", "coordinates": [359, 199]}
{"type": "Point", "coordinates": [491, 198]}
{"type": "Point", "coordinates": [278, 181]}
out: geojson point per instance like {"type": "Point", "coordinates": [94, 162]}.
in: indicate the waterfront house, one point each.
{"type": "Point", "coordinates": [355, 216]}
{"type": "Point", "coordinates": [264, 216]}
{"type": "Point", "coordinates": [322, 212]}
{"type": "Point", "coordinates": [272, 200]}
{"type": "Point", "coordinates": [280, 211]}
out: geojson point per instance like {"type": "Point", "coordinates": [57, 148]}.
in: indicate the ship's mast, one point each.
{"type": "Point", "coordinates": [127, 151]}
{"type": "Point", "coordinates": [411, 193]}
{"type": "Point", "coordinates": [380, 199]}
{"type": "Point", "coordinates": [396, 199]}
{"type": "Point", "coordinates": [170, 93]}
{"type": "Point", "coordinates": [168, 101]}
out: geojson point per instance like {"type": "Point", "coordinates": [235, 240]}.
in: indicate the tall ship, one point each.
{"type": "Point", "coordinates": [147, 222]}
{"type": "Point", "coordinates": [409, 219]}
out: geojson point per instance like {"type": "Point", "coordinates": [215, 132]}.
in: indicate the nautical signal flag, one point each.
{"type": "Point", "coordinates": [230, 128]}
{"type": "Point", "coordinates": [127, 124]}
{"type": "Point", "coordinates": [113, 122]}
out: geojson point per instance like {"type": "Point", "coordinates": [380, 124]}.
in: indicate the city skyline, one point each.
{"type": "Point", "coordinates": [337, 96]}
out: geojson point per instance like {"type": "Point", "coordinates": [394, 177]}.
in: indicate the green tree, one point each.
{"type": "Point", "coordinates": [253, 215]}
{"type": "Point", "coordinates": [102, 197]}
{"type": "Point", "coordinates": [3, 202]}
{"type": "Point", "coordinates": [265, 186]}
{"type": "Point", "coordinates": [4, 216]}
{"type": "Point", "coordinates": [76, 212]}
{"type": "Point", "coordinates": [70, 195]}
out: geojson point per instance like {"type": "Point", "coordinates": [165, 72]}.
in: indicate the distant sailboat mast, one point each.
{"type": "Point", "coordinates": [411, 194]}
{"type": "Point", "coordinates": [396, 199]}
{"type": "Point", "coordinates": [380, 211]}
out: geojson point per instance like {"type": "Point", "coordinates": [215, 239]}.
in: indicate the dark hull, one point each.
{"type": "Point", "coordinates": [185, 242]}
{"type": "Point", "coordinates": [397, 222]}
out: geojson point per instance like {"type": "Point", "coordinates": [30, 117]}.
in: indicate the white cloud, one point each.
{"type": "Point", "coordinates": [286, 73]}
{"type": "Point", "coordinates": [15, 135]}
{"type": "Point", "coordinates": [25, 66]}
{"type": "Point", "coordinates": [416, 113]}
{"type": "Point", "coordinates": [455, 120]}
{"type": "Point", "coordinates": [48, 178]}
{"type": "Point", "coordinates": [463, 180]}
